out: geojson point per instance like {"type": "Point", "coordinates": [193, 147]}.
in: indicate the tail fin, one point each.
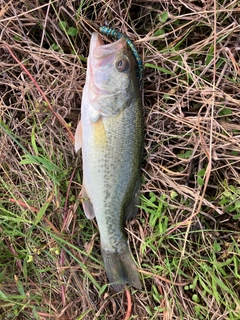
{"type": "Point", "coordinates": [120, 269]}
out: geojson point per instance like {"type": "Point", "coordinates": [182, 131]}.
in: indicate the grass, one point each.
{"type": "Point", "coordinates": [185, 239]}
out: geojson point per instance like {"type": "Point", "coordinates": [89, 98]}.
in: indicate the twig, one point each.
{"type": "Point", "coordinates": [129, 302]}
{"type": "Point", "coordinates": [180, 284]}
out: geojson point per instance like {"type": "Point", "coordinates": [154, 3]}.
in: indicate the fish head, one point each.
{"type": "Point", "coordinates": [111, 76]}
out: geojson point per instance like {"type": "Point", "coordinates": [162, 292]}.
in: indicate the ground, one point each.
{"type": "Point", "coordinates": [185, 239]}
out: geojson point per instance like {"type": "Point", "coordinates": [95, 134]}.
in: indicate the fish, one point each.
{"type": "Point", "coordinates": [110, 135]}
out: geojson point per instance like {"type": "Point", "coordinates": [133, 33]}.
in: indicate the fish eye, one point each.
{"type": "Point", "coordinates": [122, 65]}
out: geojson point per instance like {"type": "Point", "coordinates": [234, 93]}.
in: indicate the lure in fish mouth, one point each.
{"type": "Point", "coordinates": [110, 134]}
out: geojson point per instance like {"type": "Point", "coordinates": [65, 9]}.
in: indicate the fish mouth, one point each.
{"type": "Point", "coordinates": [102, 55]}
{"type": "Point", "coordinates": [99, 50]}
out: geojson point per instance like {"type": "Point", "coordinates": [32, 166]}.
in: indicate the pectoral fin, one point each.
{"type": "Point", "coordinates": [78, 136]}
{"type": "Point", "coordinates": [87, 204]}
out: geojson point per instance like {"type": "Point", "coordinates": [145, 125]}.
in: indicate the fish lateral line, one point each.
{"type": "Point", "coordinates": [118, 35]}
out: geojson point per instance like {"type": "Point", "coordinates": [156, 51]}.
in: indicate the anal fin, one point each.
{"type": "Point", "coordinates": [87, 204]}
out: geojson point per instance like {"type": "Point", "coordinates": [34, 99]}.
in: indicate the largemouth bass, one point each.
{"type": "Point", "coordinates": [110, 134]}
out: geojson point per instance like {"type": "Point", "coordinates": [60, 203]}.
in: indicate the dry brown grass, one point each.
{"type": "Point", "coordinates": [50, 259]}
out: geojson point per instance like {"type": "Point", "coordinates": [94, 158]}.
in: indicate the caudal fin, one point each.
{"type": "Point", "coordinates": [121, 269]}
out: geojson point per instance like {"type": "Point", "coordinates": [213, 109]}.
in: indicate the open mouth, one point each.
{"type": "Point", "coordinates": [105, 52]}
{"type": "Point", "coordinates": [103, 55]}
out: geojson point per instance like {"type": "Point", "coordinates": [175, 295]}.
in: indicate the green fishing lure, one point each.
{"type": "Point", "coordinates": [118, 35]}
